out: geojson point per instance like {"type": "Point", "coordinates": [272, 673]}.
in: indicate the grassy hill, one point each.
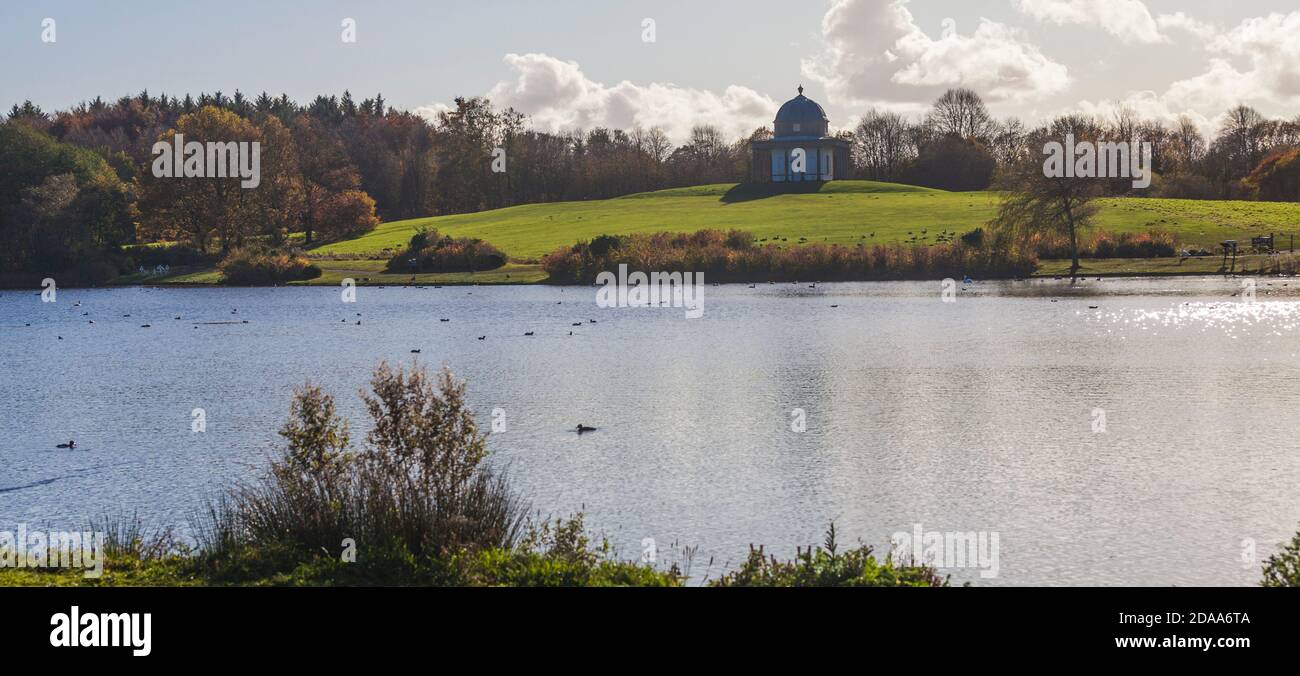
{"type": "Point", "coordinates": [843, 212]}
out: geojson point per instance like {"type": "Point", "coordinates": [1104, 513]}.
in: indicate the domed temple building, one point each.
{"type": "Point", "coordinates": [800, 125]}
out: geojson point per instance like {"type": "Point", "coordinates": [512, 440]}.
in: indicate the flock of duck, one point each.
{"type": "Point", "coordinates": [580, 428]}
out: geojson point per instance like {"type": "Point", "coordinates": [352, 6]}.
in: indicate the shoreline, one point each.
{"type": "Point", "coordinates": [532, 274]}
{"type": "Point", "coordinates": [1046, 277]}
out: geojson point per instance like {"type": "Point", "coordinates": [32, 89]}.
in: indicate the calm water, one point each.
{"type": "Point", "coordinates": [972, 416]}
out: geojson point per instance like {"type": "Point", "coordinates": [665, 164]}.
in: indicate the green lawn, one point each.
{"type": "Point", "coordinates": [844, 212]}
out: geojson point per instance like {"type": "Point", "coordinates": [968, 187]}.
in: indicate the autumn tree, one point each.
{"type": "Point", "coordinates": [326, 170]}
{"type": "Point", "coordinates": [201, 209]}
{"type": "Point", "coordinates": [1277, 178]}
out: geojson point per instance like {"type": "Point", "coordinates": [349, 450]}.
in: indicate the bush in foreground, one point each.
{"type": "Point", "coordinates": [1283, 568]}
{"type": "Point", "coordinates": [414, 504]}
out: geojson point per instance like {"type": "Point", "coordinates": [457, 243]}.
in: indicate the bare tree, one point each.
{"type": "Point", "coordinates": [1186, 145]}
{"type": "Point", "coordinates": [1034, 203]}
{"type": "Point", "coordinates": [883, 145]}
{"type": "Point", "coordinates": [1241, 138]}
{"type": "Point", "coordinates": [1008, 142]}
{"type": "Point", "coordinates": [961, 112]}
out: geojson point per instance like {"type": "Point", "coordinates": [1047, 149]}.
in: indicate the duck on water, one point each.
{"type": "Point", "coordinates": [583, 428]}
{"type": "Point", "coordinates": [70, 445]}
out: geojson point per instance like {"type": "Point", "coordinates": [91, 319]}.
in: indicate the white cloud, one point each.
{"type": "Point", "coordinates": [874, 53]}
{"type": "Point", "coordinates": [1128, 20]}
{"type": "Point", "coordinates": [1266, 72]}
{"type": "Point", "coordinates": [1256, 63]}
{"type": "Point", "coordinates": [558, 96]}
{"type": "Point", "coordinates": [1201, 29]}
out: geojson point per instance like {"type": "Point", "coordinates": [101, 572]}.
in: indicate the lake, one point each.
{"type": "Point", "coordinates": [1143, 442]}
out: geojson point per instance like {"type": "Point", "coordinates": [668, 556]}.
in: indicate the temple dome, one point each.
{"type": "Point", "coordinates": [800, 117]}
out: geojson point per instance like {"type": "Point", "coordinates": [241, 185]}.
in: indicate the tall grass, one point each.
{"type": "Point", "coordinates": [1098, 243]}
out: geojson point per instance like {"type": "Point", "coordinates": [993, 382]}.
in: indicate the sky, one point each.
{"type": "Point", "coordinates": [572, 64]}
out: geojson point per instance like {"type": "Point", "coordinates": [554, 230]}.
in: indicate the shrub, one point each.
{"type": "Point", "coordinates": [248, 267]}
{"type": "Point", "coordinates": [1155, 243]}
{"type": "Point", "coordinates": [347, 214]}
{"type": "Point", "coordinates": [429, 252]}
{"type": "Point", "coordinates": [1277, 177]}
{"type": "Point", "coordinates": [1283, 568]}
{"type": "Point", "coordinates": [825, 566]}
{"type": "Point", "coordinates": [416, 493]}
{"type": "Point", "coordinates": [974, 238]}
{"type": "Point", "coordinates": [417, 500]}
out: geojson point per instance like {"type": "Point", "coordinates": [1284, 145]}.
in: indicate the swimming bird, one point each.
{"type": "Point", "coordinates": [415, 352]}
{"type": "Point", "coordinates": [529, 333]}
{"type": "Point", "coordinates": [482, 337]}
{"type": "Point", "coordinates": [69, 445]}
{"type": "Point", "coordinates": [583, 428]}
{"type": "Point", "coordinates": [577, 324]}
{"type": "Point", "coordinates": [444, 320]}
